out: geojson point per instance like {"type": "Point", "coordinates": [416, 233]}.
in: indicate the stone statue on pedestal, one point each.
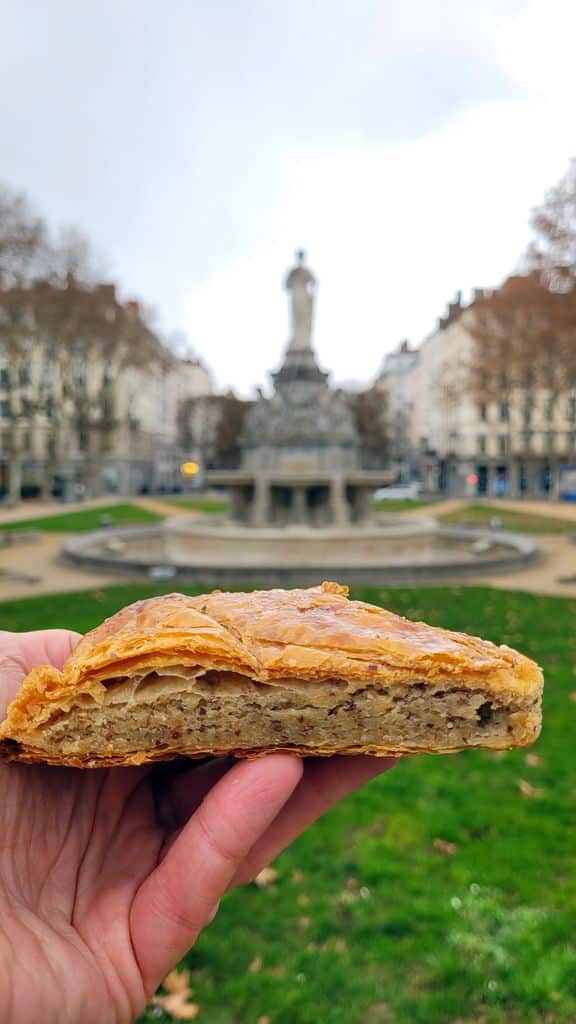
{"type": "Point", "coordinates": [300, 284]}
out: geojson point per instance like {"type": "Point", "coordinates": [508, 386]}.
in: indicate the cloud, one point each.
{"type": "Point", "coordinates": [536, 50]}
{"type": "Point", "coordinates": [394, 230]}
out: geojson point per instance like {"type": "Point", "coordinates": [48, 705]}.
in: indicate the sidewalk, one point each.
{"type": "Point", "coordinates": [39, 509]}
{"type": "Point", "coordinates": [547, 509]}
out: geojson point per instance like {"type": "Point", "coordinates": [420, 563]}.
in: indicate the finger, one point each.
{"type": "Point", "coordinates": [325, 782]}
{"type": "Point", "coordinates": [181, 795]}
{"type": "Point", "coordinates": [178, 898]}
{"type": "Point", "coordinates": [21, 652]}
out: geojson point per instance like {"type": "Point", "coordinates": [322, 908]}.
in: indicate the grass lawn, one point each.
{"type": "Point", "coordinates": [208, 506]}
{"type": "Point", "coordinates": [85, 519]}
{"type": "Point", "coordinates": [403, 504]}
{"type": "Point", "coordinates": [442, 893]}
{"type": "Point", "coordinates": [524, 522]}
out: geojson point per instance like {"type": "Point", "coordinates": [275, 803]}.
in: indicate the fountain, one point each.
{"type": "Point", "coordinates": [301, 505]}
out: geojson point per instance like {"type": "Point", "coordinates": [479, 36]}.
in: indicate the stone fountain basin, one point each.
{"type": "Point", "coordinates": [392, 550]}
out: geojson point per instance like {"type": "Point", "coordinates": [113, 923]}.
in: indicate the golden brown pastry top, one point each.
{"type": "Point", "coordinates": [308, 634]}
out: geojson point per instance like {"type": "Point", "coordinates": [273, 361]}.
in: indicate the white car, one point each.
{"type": "Point", "coordinates": [398, 491]}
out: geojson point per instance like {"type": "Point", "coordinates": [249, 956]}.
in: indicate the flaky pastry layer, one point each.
{"type": "Point", "coordinates": [268, 638]}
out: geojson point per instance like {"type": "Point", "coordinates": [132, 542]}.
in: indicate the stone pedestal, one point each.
{"type": "Point", "coordinates": [261, 504]}
{"type": "Point", "coordinates": [299, 505]}
{"type": "Point", "coordinates": [340, 512]}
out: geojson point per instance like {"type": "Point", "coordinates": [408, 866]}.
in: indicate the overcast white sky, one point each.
{"type": "Point", "coordinates": [402, 145]}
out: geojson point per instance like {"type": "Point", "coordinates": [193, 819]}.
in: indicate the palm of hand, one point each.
{"type": "Point", "coordinates": [107, 876]}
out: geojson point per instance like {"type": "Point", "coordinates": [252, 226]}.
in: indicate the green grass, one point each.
{"type": "Point", "coordinates": [85, 519]}
{"type": "Point", "coordinates": [523, 522]}
{"type": "Point", "coordinates": [371, 918]}
{"type": "Point", "coordinates": [403, 504]}
{"type": "Point", "coordinates": [208, 506]}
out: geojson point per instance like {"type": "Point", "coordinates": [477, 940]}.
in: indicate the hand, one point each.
{"type": "Point", "coordinates": [107, 876]}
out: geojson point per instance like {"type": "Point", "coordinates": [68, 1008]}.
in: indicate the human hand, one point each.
{"type": "Point", "coordinates": [107, 876]}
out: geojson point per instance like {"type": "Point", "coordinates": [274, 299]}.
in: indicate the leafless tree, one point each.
{"type": "Point", "coordinates": [553, 250]}
{"type": "Point", "coordinates": [23, 239]}
{"type": "Point", "coordinates": [370, 411]}
{"type": "Point", "coordinates": [51, 296]}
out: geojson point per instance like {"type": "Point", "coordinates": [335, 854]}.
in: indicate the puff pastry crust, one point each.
{"type": "Point", "coordinates": [306, 671]}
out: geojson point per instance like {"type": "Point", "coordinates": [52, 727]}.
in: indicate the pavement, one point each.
{"type": "Point", "coordinates": [34, 567]}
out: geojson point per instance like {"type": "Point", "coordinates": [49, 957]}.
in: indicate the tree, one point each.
{"type": "Point", "coordinates": [525, 340]}
{"type": "Point", "coordinates": [370, 412]}
{"type": "Point", "coordinates": [553, 250]}
{"type": "Point", "coordinates": [23, 239]}
{"type": "Point", "coordinates": [52, 300]}
{"type": "Point", "coordinates": [211, 426]}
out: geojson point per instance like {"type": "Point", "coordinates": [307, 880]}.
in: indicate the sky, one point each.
{"type": "Point", "coordinates": [198, 145]}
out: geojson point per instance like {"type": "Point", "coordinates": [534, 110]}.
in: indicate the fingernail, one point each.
{"type": "Point", "coordinates": [214, 912]}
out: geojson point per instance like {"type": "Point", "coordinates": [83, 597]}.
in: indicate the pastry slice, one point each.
{"type": "Point", "coordinates": [304, 671]}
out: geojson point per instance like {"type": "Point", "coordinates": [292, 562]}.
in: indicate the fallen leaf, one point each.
{"type": "Point", "coordinates": [256, 965]}
{"type": "Point", "coordinates": [528, 791]}
{"type": "Point", "coordinates": [303, 899]}
{"type": "Point", "coordinates": [177, 1003]}
{"type": "Point", "coordinates": [573, 695]}
{"type": "Point", "coordinates": [263, 1020]}
{"type": "Point", "coordinates": [266, 877]}
{"type": "Point", "coordinates": [297, 876]}
{"type": "Point", "coordinates": [445, 847]}
{"type": "Point", "coordinates": [304, 922]}
{"type": "Point", "coordinates": [533, 760]}
{"type": "Point", "coordinates": [178, 1007]}
{"type": "Point", "coordinates": [340, 946]}
{"type": "Point", "coordinates": [177, 981]}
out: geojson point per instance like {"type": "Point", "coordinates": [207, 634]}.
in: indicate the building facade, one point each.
{"type": "Point", "coordinates": [73, 425]}
{"type": "Point", "coordinates": [516, 445]}
{"type": "Point", "coordinates": [394, 383]}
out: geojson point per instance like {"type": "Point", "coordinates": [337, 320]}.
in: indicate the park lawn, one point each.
{"type": "Point", "coordinates": [443, 892]}
{"type": "Point", "coordinates": [208, 506]}
{"type": "Point", "coordinates": [85, 519]}
{"type": "Point", "coordinates": [403, 504]}
{"type": "Point", "coordinates": [523, 522]}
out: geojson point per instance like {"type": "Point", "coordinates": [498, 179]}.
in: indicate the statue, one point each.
{"type": "Point", "coordinates": [300, 286]}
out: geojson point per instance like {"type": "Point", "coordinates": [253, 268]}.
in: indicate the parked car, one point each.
{"type": "Point", "coordinates": [398, 492]}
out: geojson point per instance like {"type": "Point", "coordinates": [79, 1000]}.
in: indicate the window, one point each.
{"type": "Point", "coordinates": [452, 441]}
{"type": "Point", "coordinates": [24, 376]}
{"type": "Point", "coordinates": [481, 443]}
{"type": "Point", "coordinates": [549, 440]}
{"type": "Point", "coordinates": [502, 444]}
{"type": "Point", "coordinates": [483, 412]}
{"type": "Point", "coordinates": [504, 412]}
{"type": "Point", "coordinates": [49, 409]}
{"type": "Point", "coordinates": [571, 409]}
{"type": "Point", "coordinates": [549, 409]}
{"type": "Point", "coordinates": [4, 409]}
{"type": "Point", "coordinates": [527, 440]}
{"type": "Point", "coordinates": [4, 379]}
{"type": "Point", "coordinates": [83, 440]}
{"type": "Point", "coordinates": [527, 410]}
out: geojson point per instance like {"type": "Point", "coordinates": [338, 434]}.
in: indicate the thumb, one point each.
{"type": "Point", "coordinates": [21, 652]}
{"type": "Point", "coordinates": [179, 898]}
